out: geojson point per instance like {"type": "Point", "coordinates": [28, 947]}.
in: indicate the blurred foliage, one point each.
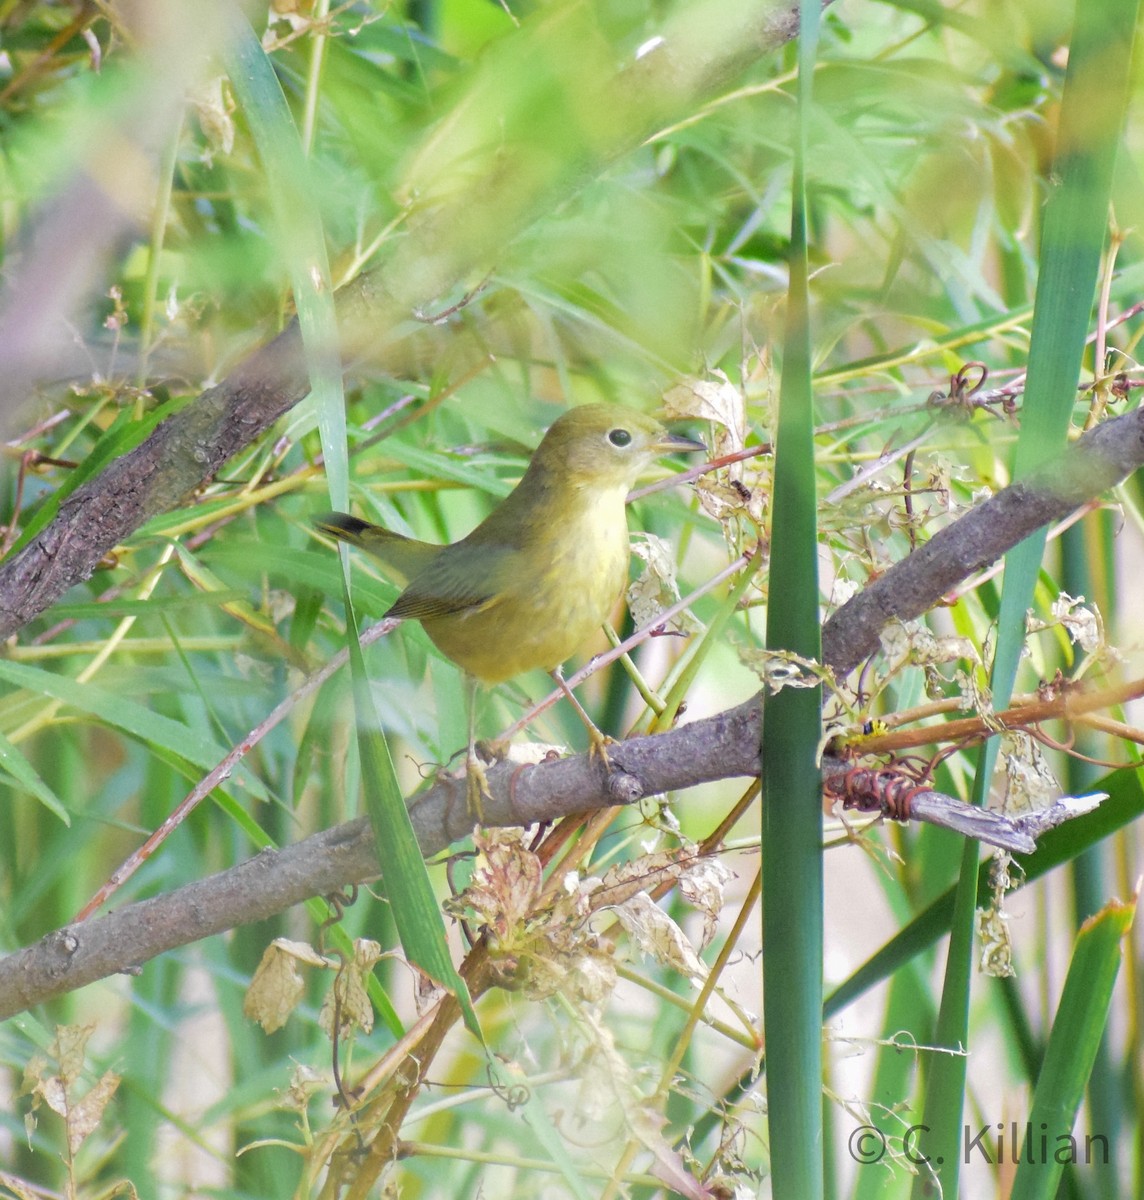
{"type": "Point", "coordinates": [931, 141]}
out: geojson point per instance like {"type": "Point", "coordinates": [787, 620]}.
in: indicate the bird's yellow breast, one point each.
{"type": "Point", "coordinates": [552, 602]}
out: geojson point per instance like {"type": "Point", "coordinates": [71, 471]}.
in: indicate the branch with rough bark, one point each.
{"type": "Point", "coordinates": [472, 199]}
{"type": "Point", "coordinates": [720, 747]}
{"type": "Point", "coordinates": [515, 147]}
{"type": "Point", "coordinates": [1098, 461]}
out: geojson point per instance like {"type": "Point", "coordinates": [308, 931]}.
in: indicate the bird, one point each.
{"type": "Point", "coordinates": [543, 571]}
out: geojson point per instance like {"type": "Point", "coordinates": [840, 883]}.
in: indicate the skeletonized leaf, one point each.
{"type": "Point", "coordinates": [659, 937]}
{"type": "Point", "coordinates": [703, 885]}
{"type": "Point", "coordinates": [655, 588]}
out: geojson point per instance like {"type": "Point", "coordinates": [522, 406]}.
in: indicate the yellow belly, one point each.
{"type": "Point", "coordinates": [550, 609]}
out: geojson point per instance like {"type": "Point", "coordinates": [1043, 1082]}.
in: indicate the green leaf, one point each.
{"type": "Point", "coordinates": [179, 743]}
{"type": "Point", "coordinates": [24, 775]}
{"type": "Point", "coordinates": [792, 805]}
{"type": "Point", "coordinates": [416, 912]}
{"type": "Point", "coordinates": [1073, 1043]}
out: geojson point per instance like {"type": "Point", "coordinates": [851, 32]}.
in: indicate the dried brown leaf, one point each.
{"type": "Point", "coordinates": [347, 1005]}
{"type": "Point", "coordinates": [277, 986]}
{"type": "Point", "coordinates": [87, 1112]}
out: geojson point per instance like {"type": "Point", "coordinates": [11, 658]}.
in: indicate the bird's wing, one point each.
{"type": "Point", "coordinates": [463, 578]}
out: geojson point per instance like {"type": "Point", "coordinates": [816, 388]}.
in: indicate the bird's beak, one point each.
{"type": "Point", "coordinates": [675, 441]}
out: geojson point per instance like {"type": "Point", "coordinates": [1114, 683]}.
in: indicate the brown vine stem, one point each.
{"type": "Point", "coordinates": [1116, 729]}
{"type": "Point", "coordinates": [1070, 704]}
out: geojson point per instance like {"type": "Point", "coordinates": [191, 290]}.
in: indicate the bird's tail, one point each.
{"type": "Point", "coordinates": [404, 555]}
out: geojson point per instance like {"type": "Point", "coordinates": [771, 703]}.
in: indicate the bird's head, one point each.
{"type": "Point", "coordinates": [605, 446]}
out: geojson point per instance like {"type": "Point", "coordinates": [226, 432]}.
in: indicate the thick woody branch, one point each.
{"type": "Point", "coordinates": [1098, 461]}
{"type": "Point", "coordinates": [121, 942]}
{"type": "Point", "coordinates": [719, 747]}
{"type": "Point", "coordinates": [272, 881]}
{"type": "Point", "coordinates": [181, 454]}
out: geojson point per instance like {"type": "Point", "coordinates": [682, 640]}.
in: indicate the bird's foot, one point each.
{"type": "Point", "coordinates": [479, 757]}
{"type": "Point", "coordinates": [476, 787]}
{"type": "Point", "coordinates": [598, 744]}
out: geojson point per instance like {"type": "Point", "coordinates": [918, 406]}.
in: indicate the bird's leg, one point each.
{"type": "Point", "coordinates": [476, 782]}
{"type": "Point", "coordinates": [598, 741]}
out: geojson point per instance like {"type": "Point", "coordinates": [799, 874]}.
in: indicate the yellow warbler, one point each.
{"type": "Point", "coordinates": [545, 568]}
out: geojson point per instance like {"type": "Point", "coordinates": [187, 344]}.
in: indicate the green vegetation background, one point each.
{"type": "Point", "coordinates": [928, 167]}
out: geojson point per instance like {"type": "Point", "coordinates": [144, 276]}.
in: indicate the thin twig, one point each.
{"type": "Point", "coordinates": [225, 769]}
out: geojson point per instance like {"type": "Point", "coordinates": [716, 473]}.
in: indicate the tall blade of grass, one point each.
{"type": "Point", "coordinates": [792, 808]}
{"type": "Point", "coordinates": [300, 239]}
{"type": "Point", "coordinates": [1093, 106]}
{"type": "Point", "coordinates": [415, 909]}
{"type": "Point", "coordinates": [416, 912]}
{"type": "Point", "coordinates": [1073, 1044]}
{"type": "Point", "coordinates": [1087, 562]}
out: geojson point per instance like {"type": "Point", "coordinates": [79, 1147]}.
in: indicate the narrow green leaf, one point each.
{"type": "Point", "coordinates": [416, 912]}
{"type": "Point", "coordinates": [504, 1076]}
{"type": "Point", "coordinates": [178, 742]}
{"type": "Point", "coordinates": [448, 467]}
{"type": "Point", "coordinates": [314, 568]}
{"type": "Point", "coordinates": [153, 606]}
{"type": "Point", "coordinates": [1073, 1043]}
{"type": "Point", "coordinates": [24, 775]}
{"type": "Point", "coordinates": [792, 807]}
{"type": "Point", "coordinates": [301, 240]}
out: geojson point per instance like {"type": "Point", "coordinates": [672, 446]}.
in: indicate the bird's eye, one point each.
{"type": "Point", "coordinates": [620, 437]}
